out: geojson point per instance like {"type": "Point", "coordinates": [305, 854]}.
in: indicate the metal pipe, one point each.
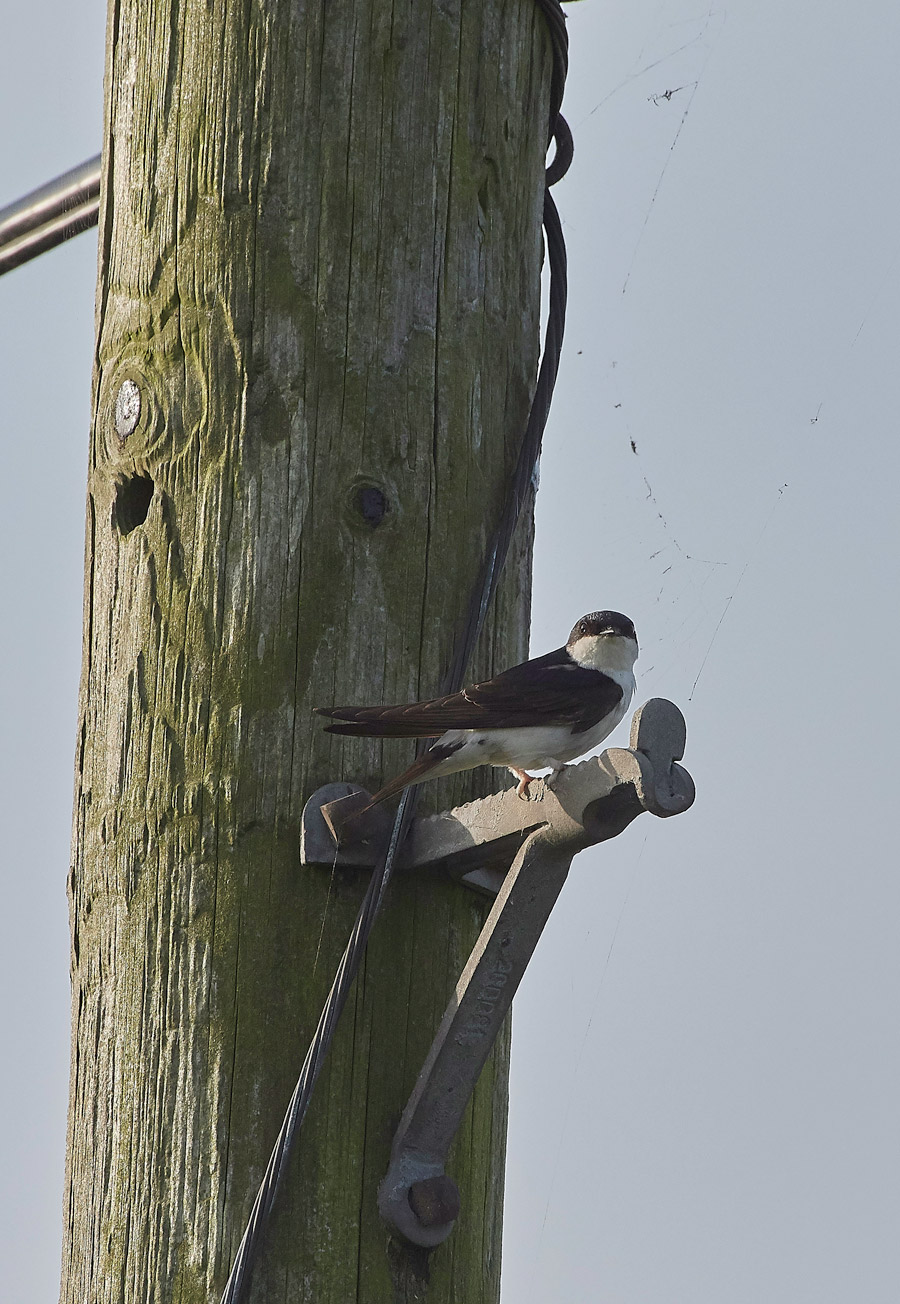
{"type": "Point", "coordinates": [49, 215]}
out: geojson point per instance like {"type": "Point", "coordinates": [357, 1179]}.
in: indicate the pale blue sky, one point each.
{"type": "Point", "coordinates": [705, 1071]}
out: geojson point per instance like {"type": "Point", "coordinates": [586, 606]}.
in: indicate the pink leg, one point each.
{"type": "Point", "coordinates": [524, 779]}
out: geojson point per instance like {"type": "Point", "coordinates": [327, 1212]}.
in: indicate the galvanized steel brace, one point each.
{"type": "Point", "coordinates": [519, 851]}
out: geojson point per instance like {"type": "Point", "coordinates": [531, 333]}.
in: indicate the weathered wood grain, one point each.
{"type": "Point", "coordinates": [320, 258]}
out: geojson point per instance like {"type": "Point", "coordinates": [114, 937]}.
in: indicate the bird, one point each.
{"type": "Point", "coordinates": [541, 713]}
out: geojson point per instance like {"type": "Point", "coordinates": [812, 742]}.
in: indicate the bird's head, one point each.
{"type": "Point", "coordinates": [603, 640]}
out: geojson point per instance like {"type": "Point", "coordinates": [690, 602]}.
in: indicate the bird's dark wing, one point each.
{"type": "Point", "coordinates": [549, 688]}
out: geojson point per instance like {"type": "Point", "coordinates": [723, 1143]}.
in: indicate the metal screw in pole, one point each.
{"type": "Point", "coordinates": [128, 409]}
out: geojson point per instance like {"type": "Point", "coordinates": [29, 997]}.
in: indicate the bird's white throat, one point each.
{"type": "Point", "coordinates": [611, 653]}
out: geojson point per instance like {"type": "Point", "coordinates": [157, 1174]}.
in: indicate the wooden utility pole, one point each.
{"type": "Point", "coordinates": [317, 332]}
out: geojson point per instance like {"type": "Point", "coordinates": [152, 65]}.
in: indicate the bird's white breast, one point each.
{"type": "Point", "coordinates": [593, 737]}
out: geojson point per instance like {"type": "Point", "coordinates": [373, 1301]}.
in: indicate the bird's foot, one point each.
{"type": "Point", "coordinates": [550, 780]}
{"type": "Point", "coordinates": [524, 780]}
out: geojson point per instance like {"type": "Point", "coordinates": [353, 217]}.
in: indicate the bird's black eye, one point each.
{"type": "Point", "coordinates": [583, 627]}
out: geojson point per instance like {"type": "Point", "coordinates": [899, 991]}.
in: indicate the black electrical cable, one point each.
{"type": "Point", "coordinates": [520, 485]}
{"type": "Point", "coordinates": [519, 489]}
{"type": "Point", "coordinates": [242, 1268]}
{"type": "Point", "coordinates": [559, 38]}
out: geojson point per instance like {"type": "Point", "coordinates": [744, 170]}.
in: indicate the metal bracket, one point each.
{"type": "Point", "coordinates": [589, 803]}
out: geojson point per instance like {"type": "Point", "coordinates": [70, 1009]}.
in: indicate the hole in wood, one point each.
{"type": "Point", "coordinates": [371, 504]}
{"type": "Point", "coordinates": [132, 502]}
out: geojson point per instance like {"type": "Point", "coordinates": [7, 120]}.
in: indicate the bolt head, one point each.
{"type": "Point", "coordinates": [435, 1200]}
{"type": "Point", "coordinates": [128, 409]}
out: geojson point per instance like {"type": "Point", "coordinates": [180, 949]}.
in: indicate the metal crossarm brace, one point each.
{"type": "Point", "coordinates": [589, 803]}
